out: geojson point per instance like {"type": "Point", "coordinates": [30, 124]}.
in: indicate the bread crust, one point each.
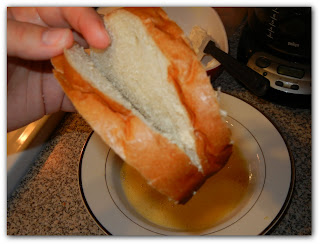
{"type": "Point", "coordinates": [193, 86]}
{"type": "Point", "coordinates": [163, 164]}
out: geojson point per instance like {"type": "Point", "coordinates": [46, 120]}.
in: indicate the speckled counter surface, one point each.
{"type": "Point", "coordinates": [48, 200]}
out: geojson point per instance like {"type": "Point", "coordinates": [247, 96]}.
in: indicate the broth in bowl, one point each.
{"type": "Point", "coordinates": [216, 199]}
{"type": "Point", "coordinates": [223, 200]}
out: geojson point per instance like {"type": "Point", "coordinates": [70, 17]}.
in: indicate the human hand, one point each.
{"type": "Point", "coordinates": [34, 35]}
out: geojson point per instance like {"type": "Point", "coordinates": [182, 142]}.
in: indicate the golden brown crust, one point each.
{"type": "Point", "coordinates": [193, 85]}
{"type": "Point", "coordinates": [165, 166]}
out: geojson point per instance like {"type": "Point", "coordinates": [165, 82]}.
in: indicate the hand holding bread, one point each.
{"type": "Point", "coordinates": [150, 100]}
{"type": "Point", "coordinates": [34, 35]}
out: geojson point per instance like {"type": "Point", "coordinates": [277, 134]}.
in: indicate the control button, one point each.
{"type": "Point", "coordinates": [294, 87]}
{"type": "Point", "coordinates": [279, 83]}
{"type": "Point", "coordinates": [263, 62]}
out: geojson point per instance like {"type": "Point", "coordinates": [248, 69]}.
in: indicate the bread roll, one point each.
{"type": "Point", "coordinates": [150, 100]}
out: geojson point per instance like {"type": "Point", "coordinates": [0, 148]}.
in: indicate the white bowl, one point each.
{"type": "Point", "coordinates": [271, 181]}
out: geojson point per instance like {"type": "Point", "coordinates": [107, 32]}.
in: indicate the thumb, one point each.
{"type": "Point", "coordinates": [29, 41]}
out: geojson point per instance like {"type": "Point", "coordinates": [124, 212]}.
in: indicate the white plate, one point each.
{"type": "Point", "coordinates": [268, 195]}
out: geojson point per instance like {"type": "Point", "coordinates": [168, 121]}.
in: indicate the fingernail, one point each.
{"type": "Point", "coordinates": [104, 36]}
{"type": "Point", "coordinates": [55, 37]}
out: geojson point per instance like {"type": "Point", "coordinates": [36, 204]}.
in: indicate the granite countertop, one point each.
{"type": "Point", "coordinates": [48, 200]}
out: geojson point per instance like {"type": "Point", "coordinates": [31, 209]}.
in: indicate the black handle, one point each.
{"type": "Point", "coordinates": [255, 82]}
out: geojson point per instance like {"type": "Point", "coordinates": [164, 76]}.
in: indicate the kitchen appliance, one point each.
{"type": "Point", "coordinates": [276, 43]}
{"type": "Point", "coordinates": [255, 82]}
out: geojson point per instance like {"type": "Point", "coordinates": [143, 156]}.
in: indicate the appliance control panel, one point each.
{"type": "Point", "coordinates": [283, 75]}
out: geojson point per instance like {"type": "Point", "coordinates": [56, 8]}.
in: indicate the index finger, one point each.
{"type": "Point", "coordinates": [82, 19]}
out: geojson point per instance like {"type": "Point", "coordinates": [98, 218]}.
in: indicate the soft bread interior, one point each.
{"type": "Point", "coordinates": [133, 71]}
